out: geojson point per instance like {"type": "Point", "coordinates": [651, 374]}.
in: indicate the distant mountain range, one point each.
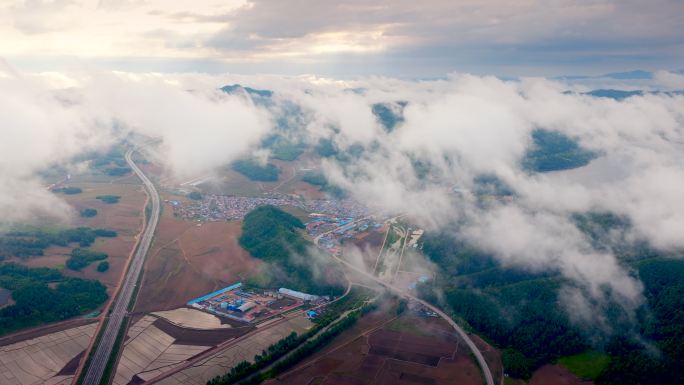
{"type": "Point", "coordinates": [622, 94]}
{"type": "Point", "coordinates": [628, 75]}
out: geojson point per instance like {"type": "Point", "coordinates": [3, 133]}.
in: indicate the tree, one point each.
{"type": "Point", "coordinates": [103, 266]}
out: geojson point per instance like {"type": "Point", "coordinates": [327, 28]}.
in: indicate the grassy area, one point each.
{"type": "Point", "coordinates": [407, 326]}
{"type": "Point", "coordinates": [509, 381]}
{"type": "Point", "coordinates": [585, 365]}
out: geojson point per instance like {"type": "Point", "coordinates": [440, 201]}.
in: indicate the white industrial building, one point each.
{"type": "Point", "coordinates": [297, 294]}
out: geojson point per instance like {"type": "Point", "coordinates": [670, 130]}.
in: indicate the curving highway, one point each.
{"type": "Point", "coordinates": [476, 352]}
{"type": "Point", "coordinates": [119, 309]}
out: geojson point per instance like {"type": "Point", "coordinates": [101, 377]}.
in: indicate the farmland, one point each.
{"type": "Point", "coordinates": [382, 349]}
{"type": "Point", "coordinates": [241, 350]}
{"type": "Point", "coordinates": [51, 358]}
{"type": "Point", "coordinates": [155, 344]}
{"type": "Point", "coordinates": [188, 260]}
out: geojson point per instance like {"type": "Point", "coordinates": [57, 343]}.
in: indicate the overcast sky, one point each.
{"type": "Point", "coordinates": [345, 38]}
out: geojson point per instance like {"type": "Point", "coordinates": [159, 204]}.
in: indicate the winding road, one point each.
{"type": "Point", "coordinates": [103, 350]}
{"type": "Point", "coordinates": [401, 293]}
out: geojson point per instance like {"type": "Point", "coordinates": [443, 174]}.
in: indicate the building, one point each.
{"type": "Point", "coordinates": [297, 294]}
{"type": "Point", "coordinates": [245, 307]}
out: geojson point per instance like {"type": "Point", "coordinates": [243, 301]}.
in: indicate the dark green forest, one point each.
{"type": "Point", "coordinates": [88, 213]}
{"type": "Point", "coordinates": [388, 117]}
{"type": "Point", "coordinates": [255, 171]}
{"type": "Point", "coordinates": [68, 190]}
{"type": "Point", "coordinates": [38, 303]}
{"type": "Point", "coordinates": [554, 151]}
{"type": "Point", "coordinates": [28, 243]}
{"type": "Point", "coordinates": [81, 258]}
{"type": "Point", "coordinates": [274, 236]}
{"type": "Point", "coordinates": [109, 199]}
{"type": "Point", "coordinates": [519, 311]}
{"type": "Point", "coordinates": [318, 179]}
{"type": "Point", "coordinates": [283, 148]}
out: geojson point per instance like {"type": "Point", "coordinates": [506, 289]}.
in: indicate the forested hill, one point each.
{"type": "Point", "coordinates": [44, 295]}
{"type": "Point", "coordinates": [519, 311]}
{"type": "Point", "coordinates": [271, 234]}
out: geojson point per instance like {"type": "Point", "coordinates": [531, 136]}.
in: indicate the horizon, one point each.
{"type": "Point", "coordinates": [344, 39]}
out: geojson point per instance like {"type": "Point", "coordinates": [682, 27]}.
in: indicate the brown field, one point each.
{"type": "Point", "coordinates": [188, 260]}
{"type": "Point", "coordinates": [124, 217]}
{"type": "Point", "coordinates": [234, 183]}
{"type": "Point", "coordinates": [405, 351]}
{"type": "Point", "coordinates": [556, 375]}
{"type": "Point", "coordinates": [303, 189]}
{"type": "Point", "coordinates": [369, 244]}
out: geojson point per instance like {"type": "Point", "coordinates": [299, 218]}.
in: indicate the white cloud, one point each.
{"type": "Point", "coordinates": [462, 126]}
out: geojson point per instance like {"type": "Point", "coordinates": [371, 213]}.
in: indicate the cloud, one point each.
{"type": "Point", "coordinates": [454, 129]}
{"type": "Point", "coordinates": [670, 80]}
{"type": "Point", "coordinates": [200, 130]}
{"type": "Point", "coordinates": [468, 126]}
{"type": "Point", "coordinates": [348, 38]}
{"type": "Point", "coordinates": [45, 123]}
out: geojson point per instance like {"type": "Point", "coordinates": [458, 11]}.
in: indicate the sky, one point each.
{"type": "Point", "coordinates": [399, 38]}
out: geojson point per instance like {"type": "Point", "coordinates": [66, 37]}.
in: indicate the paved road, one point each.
{"type": "Point", "coordinates": [461, 332]}
{"type": "Point", "coordinates": [119, 309]}
{"type": "Point", "coordinates": [478, 355]}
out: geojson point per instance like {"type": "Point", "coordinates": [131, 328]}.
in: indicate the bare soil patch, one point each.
{"type": "Point", "coordinates": [207, 337]}
{"type": "Point", "coordinates": [556, 375]}
{"type": "Point", "coordinates": [188, 260]}
{"type": "Point", "coordinates": [410, 350]}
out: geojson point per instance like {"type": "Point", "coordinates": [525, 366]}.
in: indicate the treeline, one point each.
{"type": "Point", "coordinates": [279, 352]}
{"type": "Point", "coordinates": [27, 243]}
{"type": "Point", "coordinates": [109, 199]}
{"type": "Point", "coordinates": [81, 258]}
{"type": "Point", "coordinates": [111, 163]}
{"type": "Point", "coordinates": [88, 213]}
{"type": "Point", "coordinates": [255, 171]}
{"type": "Point", "coordinates": [68, 190]}
{"type": "Point", "coordinates": [318, 179]}
{"type": "Point", "coordinates": [271, 234]}
{"type": "Point", "coordinates": [37, 303]}
{"type": "Point", "coordinates": [283, 148]}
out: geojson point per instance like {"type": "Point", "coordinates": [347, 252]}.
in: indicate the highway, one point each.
{"type": "Point", "coordinates": [476, 352]}
{"type": "Point", "coordinates": [104, 348]}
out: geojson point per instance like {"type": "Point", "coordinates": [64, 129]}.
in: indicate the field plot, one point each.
{"type": "Point", "coordinates": [557, 375]}
{"type": "Point", "coordinates": [124, 217]}
{"type": "Point", "coordinates": [49, 359]}
{"type": "Point", "coordinates": [233, 183]}
{"type": "Point", "coordinates": [409, 350]}
{"type": "Point", "coordinates": [188, 260]}
{"type": "Point", "coordinates": [243, 350]}
{"type": "Point", "coordinates": [389, 259]}
{"type": "Point", "coordinates": [155, 344]}
{"type": "Point", "coordinates": [191, 318]}
{"type": "Point", "coordinates": [370, 243]}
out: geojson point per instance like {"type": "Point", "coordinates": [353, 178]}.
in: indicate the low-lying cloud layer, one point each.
{"type": "Point", "coordinates": [463, 127]}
